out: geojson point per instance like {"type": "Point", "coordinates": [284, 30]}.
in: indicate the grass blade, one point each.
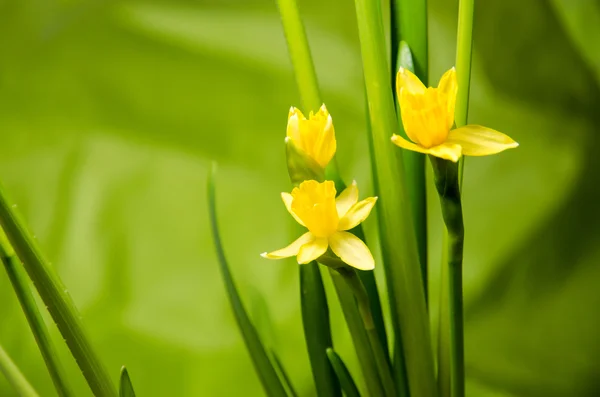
{"type": "Point", "coordinates": [125, 386]}
{"type": "Point", "coordinates": [284, 375]}
{"type": "Point", "coordinates": [343, 374]}
{"type": "Point", "coordinates": [14, 376]}
{"type": "Point", "coordinates": [56, 297]}
{"type": "Point", "coordinates": [260, 359]}
{"type": "Point", "coordinates": [20, 283]}
{"type": "Point", "coordinates": [397, 238]}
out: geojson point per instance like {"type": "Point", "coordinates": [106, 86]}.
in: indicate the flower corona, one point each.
{"type": "Point", "coordinates": [315, 136]}
{"type": "Point", "coordinates": [314, 205]}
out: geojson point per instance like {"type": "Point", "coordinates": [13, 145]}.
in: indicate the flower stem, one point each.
{"type": "Point", "coordinates": [464, 54]}
{"type": "Point", "coordinates": [14, 376]}
{"type": "Point", "coordinates": [19, 281]}
{"type": "Point", "coordinates": [364, 308]}
{"type": "Point", "coordinates": [360, 339]}
{"type": "Point", "coordinates": [447, 184]}
{"type": "Point", "coordinates": [57, 299]}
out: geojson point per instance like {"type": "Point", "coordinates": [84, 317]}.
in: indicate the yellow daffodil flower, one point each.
{"type": "Point", "coordinates": [315, 135]}
{"type": "Point", "coordinates": [428, 116]}
{"type": "Point", "coordinates": [314, 206]}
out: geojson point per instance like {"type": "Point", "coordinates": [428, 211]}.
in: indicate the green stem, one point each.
{"type": "Point", "coordinates": [364, 308]}
{"type": "Point", "coordinates": [57, 299]}
{"type": "Point", "coordinates": [398, 242]}
{"type": "Point", "coordinates": [19, 282]}
{"type": "Point", "coordinates": [447, 184]}
{"type": "Point", "coordinates": [464, 54]}
{"type": "Point", "coordinates": [14, 376]}
{"type": "Point", "coordinates": [360, 339]}
{"type": "Point", "coordinates": [443, 348]}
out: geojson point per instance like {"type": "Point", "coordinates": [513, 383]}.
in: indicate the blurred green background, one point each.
{"type": "Point", "coordinates": [111, 111]}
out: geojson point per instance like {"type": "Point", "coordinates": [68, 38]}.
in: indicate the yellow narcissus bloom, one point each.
{"type": "Point", "coordinates": [315, 135]}
{"type": "Point", "coordinates": [428, 116]}
{"type": "Point", "coordinates": [314, 206]}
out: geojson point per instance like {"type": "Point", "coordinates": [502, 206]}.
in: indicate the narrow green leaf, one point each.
{"type": "Point", "coordinates": [304, 69]}
{"type": "Point", "coordinates": [20, 283]}
{"type": "Point", "coordinates": [397, 238]}
{"type": "Point", "coordinates": [360, 338]}
{"type": "Point", "coordinates": [317, 330]}
{"type": "Point", "coordinates": [56, 297]}
{"type": "Point", "coordinates": [262, 363]}
{"type": "Point", "coordinates": [14, 376]}
{"type": "Point", "coordinates": [409, 24]}
{"type": "Point", "coordinates": [125, 386]}
{"type": "Point", "coordinates": [343, 374]}
{"type": "Point", "coordinates": [284, 375]}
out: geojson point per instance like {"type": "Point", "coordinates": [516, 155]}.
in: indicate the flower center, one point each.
{"type": "Point", "coordinates": [314, 204]}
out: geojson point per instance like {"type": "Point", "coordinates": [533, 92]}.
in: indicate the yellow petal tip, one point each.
{"type": "Point", "coordinates": [265, 255]}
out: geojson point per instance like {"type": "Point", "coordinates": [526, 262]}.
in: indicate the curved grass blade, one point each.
{"type": "Point", "coordinates": [284, 375]}
{"type": "Point", "coordinates": [20, 283]}
{"type": "Point", "coordinates": [56, 297]}
{"type": "Point", "coordinates": [262, 364]}
{"type": "Point", "coordinates": [343, 374]}
{"type": "Point", "coordinates": [397, 238]}
{"type": "Point", "coordinates": [14, 376]}
{"type": "Point", "coordinates": [125, 386]}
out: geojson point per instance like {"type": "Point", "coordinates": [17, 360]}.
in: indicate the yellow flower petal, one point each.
{"type": "Point", "coordinates": [352, 250]}
{"type": "Point", "coordinates": [287, 200]}
{"type": "Point", "coordinates": [312, 250]}
{"type": "Point", "coordinates": [405, 79]}
{"type": "Point", "coordinates": [476, 140]}
{"type": "Point", "coordinates": [290, 250]}
{"type": "Point", "coordinates": [447, 150]}
{"type": "Point", "coordinates": [449, 87]}
{"type": "Point", "coordinates": [346, 199]}
{"type": "Point", "coordinates": [358, 213]}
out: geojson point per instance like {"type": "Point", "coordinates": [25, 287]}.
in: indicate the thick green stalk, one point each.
{"type": "Point", "coordinates": [14, 376]}
{"type": "Point", "coordinates": [447, 185]}
{"type": "Point", "coordinates": [414, 164]}
{"type": "Point", "coordinates": [364, 308]}
{"type": "Point", "coordinates": [57, 299]}
{"type": "Point", "coordinates": [19, 281]}
{"type": "Point", "coordinates": [397, 237]}
{"type": "Point", "coordinates": [464, 54]}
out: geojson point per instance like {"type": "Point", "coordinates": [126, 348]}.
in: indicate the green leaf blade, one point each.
{"type": "Point", "coordinates": [343, 374]}
{"type": "Point", "coordinates": [262, 364]}
{"type": "Point", "coordinates": [125, 385]}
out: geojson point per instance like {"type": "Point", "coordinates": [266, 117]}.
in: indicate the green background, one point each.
{"type": "Point", "coordinates": [111, 111]}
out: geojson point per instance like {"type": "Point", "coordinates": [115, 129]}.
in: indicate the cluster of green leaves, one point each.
{"type": "Point", "coordinates": [110, 114]}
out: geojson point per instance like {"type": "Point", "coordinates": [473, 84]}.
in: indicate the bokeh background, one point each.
{"type": "Point", "coordinates": [111, 111]}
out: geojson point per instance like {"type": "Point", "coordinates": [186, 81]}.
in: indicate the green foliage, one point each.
{"type": "Point", "coordinates": [111, 112]}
